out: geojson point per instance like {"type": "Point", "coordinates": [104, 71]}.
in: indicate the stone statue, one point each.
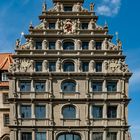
{"type": "Point", "coordinates": [44, 24]}
{"type": "Point", "coordinates": [58, 64]}
{"type": "Point", "coordinates": [78, 44]}
{"type": "Point", "coordinates": [124, 66]}
{"type": "Point", "coordinates": [106, 65]}
{"type": "Point", "coordinates": [119, 44]}
{"type": "Point", "coordinates": [92, 25]}
{"type": "Point", "coordinates": [32, 65]}
{"type": "Point", "coordinates": [92, 65]}
{"type": "Point", "coordinates": [31, 44]}
{"type": "Point", "coordinates": [78, 24]}
{"type": "Point", "coordinates": [58, 44]}
{"type": "Point", "coordinates": [45, 65]}
{"type": "Point", "coordinates": [78, 7]}
{"type": "Point", "coordinates": [58, 24]}
{"type": "Point", "coordinates": [78, 64]}
{"type": "Point", "coordinates": [44, 7]}
{"type": "Point", "coordinates": [74, 26]}
{"type": "Point", "coordinates": [105, 44]}
{"type": "Point", "coordinates": [17, 44]}
{"type": "Point", "coordinates": [12, 67]}
{"type": "Point", "coordinates": [58, 7]}
{"type": "Point", "coordinates": [92, 7]}
{"type": "Point", "coordinates": [45, 44]}
{"type": "Point", "coordinates": [92, 45]}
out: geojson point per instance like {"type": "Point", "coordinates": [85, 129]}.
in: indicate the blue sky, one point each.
{"type": "Point", "coordinates": [121, 15]}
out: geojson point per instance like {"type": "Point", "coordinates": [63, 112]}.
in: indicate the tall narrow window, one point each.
{"type": "Point", "coordinates": [68, 66]}
{"type": "Point", "coordinates": [38, 45]}
{"type": "Point", "coordinates": [52, 66]}
{"type": "Point", "coordinates": [112, 111]}
{"type": "Point", "coordinates": [51, 25]}
{"type": "Point", "coordinates": [6, 119]}
{"type": "Point", "coordinates": [5, 98]}
{"type": "Point", "coordinates": [112, 86]}
{"type": "Point", "coordinates": [39, 86]}
{"type": "Point", "coordinates": [97, 86]}
{"type": "Point", "coordinates": [97, 112]}
{"type": "Point", "coordinates": [38, 66]}
{"type": "Point", "coordinates": [25, 86]}
{"type": "Point", "coordinates": [85, 45]}
{"type": "Point", "coordinates": [26, 136]}
{"type": "Point", "coordinates": [52, 45]}
{"type": "Point", "coordinates": [26, 111]}
{"type": "Point", "coordinates": [4, 77]}
{"type": "Point", "coordinates": [40, 136]}
{"type": "Point", "coordinates": [69, 112]}
{"type": "Point", "coordinates": [111, 136]}
{"type": "Point", "coordinates": [98, 45]}
{"type": "Point", "coordinates": [85, 66]}
{"type": "Point", "coordinates": [68, 46]}
{"type": "Point", "coordinates": [40, 111]}
{"type": "Point", "coordinates": [68, 86]}
{"type": "Point", "coordinates": [98, 136]}
{"type": "Point", "coordinates": [98, 66]}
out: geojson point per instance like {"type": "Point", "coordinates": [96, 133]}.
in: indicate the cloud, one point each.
{"type": "Point", "coordinates": [108, 7]}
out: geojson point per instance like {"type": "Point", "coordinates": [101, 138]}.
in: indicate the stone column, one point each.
{"type": "Point", "coordinates": [105, 111]}
{"type": "Point", "coordinates": [33, 110]}
{"type": "Point", "coordinates": [105, 135]}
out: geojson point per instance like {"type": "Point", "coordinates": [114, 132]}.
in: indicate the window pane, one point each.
{"type": "Point", "coordinates": [38, 66]}
{"type": "Point", "coordinates": [40, 86]}
{"type": "Point", "coordinates": [40, 111]}
{"type": "Point", "coordinates": [25, 86]}
{"type": "Point", "coordinates": [38, 45]}
{"type": "Point", "coordinates": [69, 136]}
{"type": "Point", "coordinates": [98, 45]}
{"type": "Point", "coordinates": [112, 136]}
{"type": "Point", "coordinates": [112, 111]}
{"type": "Point", "coordinates": [52, 66]}
{"type": "Point", "coordinates": [85, 66]}
{"type": "Point", "coordinates": [68, 66]}
{"type": "Point", "coordinates": [6, 119]}
{"type": "Point", "coordinates": [40, 136]}
{"type": "Point", "coordinates": [26, 136]}
{"type": "Point", "coordinates": [67, 8]}
{"type": "Point", "coordinates": [97, 136]}
{"type": "Point", "coordinates": [68, 87]}
{"type": "Point", "coordinates": [5, 98]}
{"type": "Point", "coordinates": [85, 45]}
{"type": "Point", "coordinates": [97, 111]}
{"type": "Point", "coordinates": [26, 111]}
{"type": "Point", "coordinates": [4, 77]}
{"type": "Point", "coordinates": [69, 112]}
{"type": "Point", "coordinates": [61, 137]}
{"type": "Point", "coordinates": [98, 66]}
{"type": "Point", "coordinates": [51, 25]}
{"type": "Point", "coordinates": [84, 25]}
{"type": "Point", "coordinates": [68, 46]}
{"type": "Point", "coordinates": [97, 86]}
{"type": "Point", "coordinates": [52, 45]}
{"type": "Point", "coordinates": [111, 86]}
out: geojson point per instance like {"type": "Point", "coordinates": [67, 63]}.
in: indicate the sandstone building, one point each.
{"type": "Point", "coordinates": [5, 61]}
{"type": "Point", "coordinates": [69, 81]}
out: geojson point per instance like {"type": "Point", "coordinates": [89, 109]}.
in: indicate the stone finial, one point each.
{"type": "Point", "coordinates": [31, 25]}
{"type": "Point", "coordinates": [106, 25]}
{"type": "Point", "coordinates": [92, 7]}
{"type": "Point", "coordinates": [119, 44]}
{"type": "Point", "coordinates": [44, 7]}
{"type": "Point", "coordinates": [17, 43]}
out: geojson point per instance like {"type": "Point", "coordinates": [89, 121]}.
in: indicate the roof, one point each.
{"type": "Point", "coordinates": [4, 84]}
{"type": "Point", "coordinates": [5, 60]}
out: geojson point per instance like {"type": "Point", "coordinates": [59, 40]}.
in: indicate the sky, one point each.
{"type": "Point", "coordinates": [122, 16]}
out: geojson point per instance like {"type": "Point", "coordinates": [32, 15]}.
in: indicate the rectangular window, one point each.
{"type": "Point", "coordinates": [38, 45]}
{"type": "Point", "coordinates": [111, 136]}
{"type": "Point", "coordinates": [40, 136]}
{"type": "Point", "coordinates": [112, 86]}
{"type": "Point", "coordinates": [67, 8]}
{"type": "Point", "coordinates": [97, 86]}
{"type": "Point", "coordinates": [84, 26]}
{"type": "Point", "coordinates": [52, 45]}
{"type": "Point", "coordinates": [26, 136]}
{"type": "Point", "coordinates": [26, 111]}
{"type": "Point", "coordinates": [97, 112]}
{"type": "Point", "coordinates": [25, 86]}
{"type": "Point", "coordinates": [39, 86]}
{"type": "Point", "coordinates": [6, 119]}
{"type": "Point", "coordinates": [40, 111]}
{"type": "Point", "coordinates": [38, 66]}
{"type": "Point", "coordinates": [98, 45]}
{"type": "Point", "coordinates": [51, 25]}
{"type": "Point", "coordinates": [112, 111]}
{"type": "Point", "coordinates": [85, 66]}
{"type": "Point", "coordinates": [52, 66]}
{"type": "Point", "coordinates": [98, 66]}
{"type": "Point", "coordinates": [5, 98]}
{"type": "Point", "coordinates": [98, 136]}
{"type": "Point", "coordinates": [4, 77]}
{"type": "Point", "coordinates": [85, 45]}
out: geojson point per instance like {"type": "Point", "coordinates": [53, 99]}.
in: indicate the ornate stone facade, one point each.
{"type": "Point", "coordinates": [69, 81]}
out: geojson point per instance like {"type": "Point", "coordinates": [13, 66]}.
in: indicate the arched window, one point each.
{"type": "Point", "coordinates": [68, 86]}
{"type": "Point", "coordinates": [6, 138]}
{"type": "Point", "coordinates": [69, 136]}
{"type": "Point", "coordinates": [68, 46]}
{"type": "Point", "coordinates": [69, 112]}
{"type": "Point", "coordinates": [68, 66]}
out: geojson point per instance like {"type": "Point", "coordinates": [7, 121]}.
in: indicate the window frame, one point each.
{"type": "Point", "coordinates": [99, 112]}
{"type": "Point", "coordinates": [112, 133]}
{"type": "Point", "coordinates": [100, 66]}
{"type": "Point", "coordinates": [97, 137]}
{"type": "Point", "coordinates": [40, 138]}
{"type": "Point", "coordinates": [6, 120]}
{"type": "Point", "coordinates": [87, 67]}
{"type": "Point", "coordinates": [28, 88]}
{"type": "Point", "coordinates": [52, 43]}
{"type": "Point", "coordinates": [96, 83]}
{"type": "Point", "coordinates": [68, 45]}
{"type": "Point", "coordinates": [83, 44]}
{"type": "Point", "coordinates": [98, 45]}
{"type": "Point", "coordinates": [29, 116]}
{"type": "Point", "coordinates": [40, 66]}
{"type": "Point", "coordinates": [52, 27]}
{"type": "Point", "coordinates": [84, 27]}
{"type": "Point", "coordinates": [40, 45]}
{"type": "Point", "coordinates": [40, 84]}
{"type": "Point", "coordinates": [4, 77]}
{"type": "Point", "coordinates": [111, 115]}
{"type": "Point", "coordinates": [68, 68]}
{"type": "Point", "coordinates": [112, 88]}
{"type": "Point", "coordinates": [27, 138]}
{"type": "Point", "coordinates": [5, 99]}
{"type": "Point", "coordinates": [43, 116]}
{"type": "Point", "coordinates": [50, 66]}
